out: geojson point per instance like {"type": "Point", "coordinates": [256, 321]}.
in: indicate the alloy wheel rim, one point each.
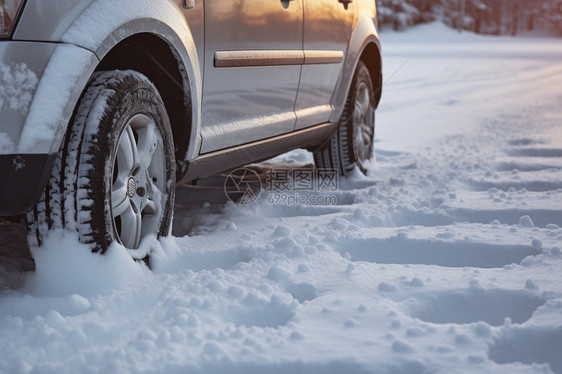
{"type": "Point", "coordinates": [138, 182]}
{"type": "Point", "coordinates": [364, 124]}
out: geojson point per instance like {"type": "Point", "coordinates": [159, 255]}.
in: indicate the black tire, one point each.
{"type": "Point", "coordinates": [119, 143]}
{"type": "Point", "coordinates": [352, 144]}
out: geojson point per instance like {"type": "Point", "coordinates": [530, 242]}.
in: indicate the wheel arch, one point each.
{"type": "Point", "coordinates": [150, 31]}
{"type": "Point", "coordinates": [364, 46]}
{"type": "Point", "coordinates": [371, 56]}
{"type": "Point", "coordinates": [154, 57]}
{"type": "Point", "coordinates": [153, 31]}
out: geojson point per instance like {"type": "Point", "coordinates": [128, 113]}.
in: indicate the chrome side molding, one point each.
{"type": "Point", "coordinates": [249, 58]}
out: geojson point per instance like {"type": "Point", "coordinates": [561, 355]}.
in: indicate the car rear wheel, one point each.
{"type": "Point", "coordinates": [352, 144]}
{"type": "Point", "coordinates": [114, 176]}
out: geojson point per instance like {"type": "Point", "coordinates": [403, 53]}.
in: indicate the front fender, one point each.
{"type": "Point", "coordinates": [57, 93]}
{"type": "Point", "coordinates": [95, 31]}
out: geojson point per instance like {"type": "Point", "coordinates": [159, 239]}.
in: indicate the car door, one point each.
{"type": "Point", "coordinates": [253, 60]}
{"type": "Point", "coordinates": [327, 30]}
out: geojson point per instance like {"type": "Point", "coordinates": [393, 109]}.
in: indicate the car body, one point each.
{"type": "Point", "coordinates": [241, 80]}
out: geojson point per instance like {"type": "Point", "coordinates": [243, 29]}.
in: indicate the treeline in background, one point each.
{"type": "Point", "coordinates": [497, 17]}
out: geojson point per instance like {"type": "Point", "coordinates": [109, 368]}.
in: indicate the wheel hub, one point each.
{"type": "Point", "coordinates": [139, 175]}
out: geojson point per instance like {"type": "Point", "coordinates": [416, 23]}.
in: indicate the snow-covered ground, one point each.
{"type": "Point", "coordinates": [446, 258]}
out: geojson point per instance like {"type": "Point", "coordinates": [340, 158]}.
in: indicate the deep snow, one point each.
{"type": "Point", "coordinates": [446, 258]}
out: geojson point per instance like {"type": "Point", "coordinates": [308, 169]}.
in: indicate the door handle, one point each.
{"type": "Point", "coordinates": [345, 3]}
{"type": "Point", "coordinates": [285, 3]}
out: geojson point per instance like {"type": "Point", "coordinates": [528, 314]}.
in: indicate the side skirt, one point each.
{"type": "Point", "coordinates": [230, 158]}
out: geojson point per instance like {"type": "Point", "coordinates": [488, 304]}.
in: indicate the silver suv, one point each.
{"type": "Point", "coordinates": [106, 104]}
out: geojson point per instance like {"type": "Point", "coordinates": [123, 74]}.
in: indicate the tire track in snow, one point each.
{"type": "Point", "coordinates": [465, 306]}
{"type": "Point", "coordinates": [401, 250]}
{"type": "Point", "coordinates": [526, 183]}
{"type": "Point", "coordinates": [417, 229]}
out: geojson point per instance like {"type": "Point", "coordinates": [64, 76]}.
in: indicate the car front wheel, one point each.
{"type": "Point", "coordinates": [114, 175]}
